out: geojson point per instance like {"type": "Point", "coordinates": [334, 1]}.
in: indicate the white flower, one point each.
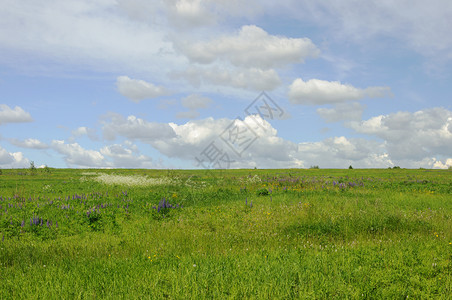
{"type": "Point", "coordinates": [133, 180]}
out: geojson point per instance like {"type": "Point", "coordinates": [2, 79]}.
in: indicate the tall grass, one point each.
{"type": "Point", "coordinates": [312, 234]}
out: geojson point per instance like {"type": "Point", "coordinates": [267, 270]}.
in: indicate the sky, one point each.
{"type": "Point", "coordinates": [225, 84]}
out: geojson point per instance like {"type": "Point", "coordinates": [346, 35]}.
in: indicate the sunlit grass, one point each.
{"type": "Point", "coordinates": [314, 234]}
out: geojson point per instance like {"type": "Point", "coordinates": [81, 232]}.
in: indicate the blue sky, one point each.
{"type": "Point", "coordinates": [166, 84]}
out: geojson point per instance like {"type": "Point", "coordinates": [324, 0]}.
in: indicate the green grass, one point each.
{"type": "Point", "coordinates": [309, 234]}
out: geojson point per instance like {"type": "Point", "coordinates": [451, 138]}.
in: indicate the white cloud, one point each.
{"type": "Point", "coordinates": [137, 90]}
{"type": "Point", "coordinates": [82, 131]}
{"type": "Point", "coordinates": [315, 91]}
{"type": "Point", "coordinates": [189, 13]}
{"type": "Point", "coordinates": [414, 136]}
{"type": "Point", "coordinates": [76, 156]}
{"type": "Point", "coordinates": [251, 47]}
{"type": "Point", "coordinates": [440, 165]}
{"type": "Point", "coordinates": [250, 79]}
{"type": "Point", "coordinates": [126, 156]}
{"type": "Point", "coordinates": [268, 150]}
{"type": "Point", "coordinates": [13, 160]}
{"type": "Point", "coordinates": [195, 101]}
{"type": "Point", "coordinates": [29, 143]}
{"type": "Point", "coordinates": [419, 25]}
{"type": "Point", "coordinates": [340, 152]}
{"type": "Point", "coordinates": [191, 138]}
{"type": "Point", "coordinates": [342, 112]}
{"type": "Point", "coordinates": [135, 128]}
{"type": "Point", "coordinates": [82, 34]}
{"type": "Point", "coordinates": [16, 115]}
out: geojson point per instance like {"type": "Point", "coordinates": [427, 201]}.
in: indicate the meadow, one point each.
{"type": "Point", "coordinates": [225, 234]}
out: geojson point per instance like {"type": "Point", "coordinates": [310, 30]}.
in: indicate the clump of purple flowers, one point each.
{"type": "Point", "coordinates": [164, 206]}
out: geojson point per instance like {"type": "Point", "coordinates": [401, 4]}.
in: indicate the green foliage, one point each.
{"type": "Point", "coordinates": [46, 170]}
{"type": "Point", "coordinates": [375, 234]}
{"type": "Point", "coordinates": [350, 167]}
{"type": "Point", "coordinates": [32, 168]}
{"type": "Point", "coordinates": [262, 192]}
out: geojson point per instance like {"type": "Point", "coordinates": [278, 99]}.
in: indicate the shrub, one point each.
{"type": "Point", "coordinates": [262, 192]}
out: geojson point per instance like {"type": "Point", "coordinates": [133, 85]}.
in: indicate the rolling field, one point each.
{"type": "Point", "coordinates": [225, 234]}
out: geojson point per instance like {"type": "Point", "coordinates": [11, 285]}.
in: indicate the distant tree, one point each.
{"type": "Point", "coordinates": [314, 167]}
{"type": "Point", "coordinates": [32, 168]}
{"type": "Point", "coordinates": [350, 167]}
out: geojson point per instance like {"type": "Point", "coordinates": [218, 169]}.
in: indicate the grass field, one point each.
{"type": "Point", "coordinates": [225, 234]}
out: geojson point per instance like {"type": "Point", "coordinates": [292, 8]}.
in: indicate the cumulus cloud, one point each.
{"type": "Point", "coordinates": [315, 91]}
{"type": "Point", "coordinates": [342, 112]}
{"type": "Point", "coordinates": [76, 156]}
{"type": "Point", "coordinates": [137, 90]}
{"type": "Point", "coordinates": [440, 165]}
{"type": "Point", "coordinates": [408, 135]}
{"type": "Point", "coordinates": [251, 47]}
{"type": "Point", "coordinates": [126, 156]}
{"type": "Point", "coordinates": [340, 152]}
{"type": "Point", "coordinates": [251, 79]}
{"type": "Point", "coordinates": [85, 131]}
{"type": "Point", "coordinates": [29, 143]}
{"type": "Point", "coordinates": [135, 128]}
{"type": "Point", "coordinates": [192, 137]}
{"type": "Point", "coordinates": [266, 149]}
{"type": "Point", "coordinates": [13, 115]}
{"type": "Point", "coordinates": [193, 102]}
{"type": "Point", "coordinates": [189, 13]}
{"type": "Point", "coordinates": [12, 160]}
